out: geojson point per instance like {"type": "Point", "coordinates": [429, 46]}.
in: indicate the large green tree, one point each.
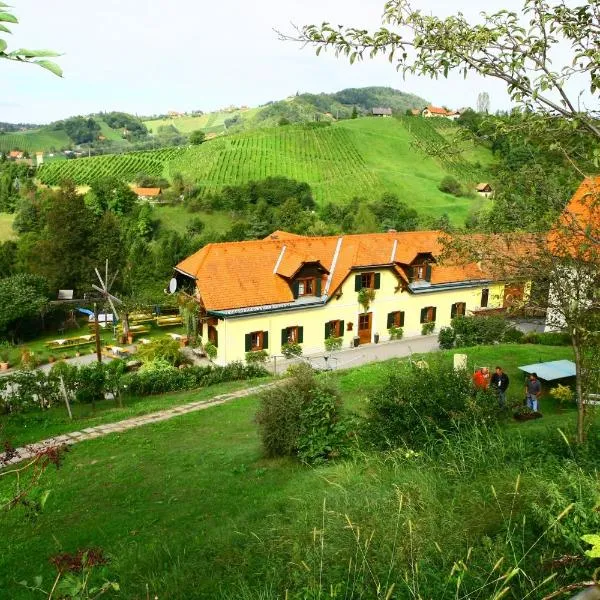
{"type": "Point", "coordinates": [22, 297]}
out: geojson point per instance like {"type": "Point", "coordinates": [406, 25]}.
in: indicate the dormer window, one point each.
{"type": "Point", "coordinates": [306, 287]}
{"type": "Point", "coordinates": [421, 272]}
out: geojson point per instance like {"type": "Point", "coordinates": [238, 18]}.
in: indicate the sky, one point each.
{"type": "Point", "coordinates": [149, 57]}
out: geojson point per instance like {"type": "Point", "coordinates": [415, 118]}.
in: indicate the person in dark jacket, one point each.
{"type": "Point", "coordinates": [499, 383]}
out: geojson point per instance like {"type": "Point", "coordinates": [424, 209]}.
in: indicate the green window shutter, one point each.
{"type": "Point", "coordinates": [428, 272]}
{"type": "Point", "coordinates": [434, 313]}
{"type": "Point", "coordinates": [401, 318]}
{"type": "Point", "coordinates": [377, 281]}
{"type": "Point", "coordinates": [357, 283]}
{"type": "Point", "coordinates": [284, 336]}
{"type": "Point", "coordinates": [300, 334]}
{"type": "Point", "coordinates": [341, 328]}
{"type": "Point", "coordinates": [453, 311]}
{"type": "Point", "coordinates": [327, 330]}
{"type": "Point", "coordinates": [295, 289]}
{"type": "Point", "coordinates": [390, 320]}
{"type": "Point", "coordinates": [265, 340]}
{"type": "Point", "coordinates": [318, 286]}
{"type": "Point", "coordinates": [423, 315]}
{"type": "Point", "coordinates": [248, 342]}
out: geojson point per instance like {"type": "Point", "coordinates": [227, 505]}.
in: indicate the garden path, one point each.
{"type": "Point", "coordinates": [29, 451]}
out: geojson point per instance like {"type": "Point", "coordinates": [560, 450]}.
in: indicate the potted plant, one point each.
{"type": "Point", "coordinates": [396, 333]}
{"type": "Point", "coordinates": [356, 341]}
{"type": "Point", "coordinates": [332, 344]}
{"type": "Point", "coordinates": [376, 338]}
{"type": "Point", "coordinates": [365, 297]}
{"type": "Point", "coordinates": [291, 350]}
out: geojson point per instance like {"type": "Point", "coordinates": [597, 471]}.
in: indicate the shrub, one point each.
{"type": "Point", "coordinates": [449, 185]}
{"type": "Point", "coordinates": [165, 349]}
{"type": "Point", "coordinates": [301, 418]}
{"type": "Point", "coordinates": [90, 383]}
{"type": "Point", "coordinates": [446, 338]}
{"type": "Point", "coordinates": [427, 328]}
{"type": "Point", "coordinates": [512, 335]}
{"type": "Point", "coordinates": [472, 331]}
{"type": "Point", "coordinates": [396, 333]}
{"type": "Point", "coordinates": [211, 351]}
{"type": "Point", "coordinates": [550, 338]}
{"type": "Point", "coordinates": [333, 344]}
{"type": "Point", "coordinates": [257, 357]}
{"type": "Point", "coordinates": [291, 350]}
{"type": "Point", "coordinates": [416, 404]}
{"type": "Point", "coordinates": [563, 393]}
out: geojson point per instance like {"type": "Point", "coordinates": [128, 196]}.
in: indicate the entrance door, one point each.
{"type": "Point", "coordinates": [513, 295]}
{"type": "Point", "coordinates": [364, 327]}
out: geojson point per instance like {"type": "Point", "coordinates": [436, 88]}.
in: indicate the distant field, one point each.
{"type": "Point", "coordinates": [6, 231]}
{"type": "Point", "coordinates": [209, 122]}
{"type": "Point", "coordinates": [83, 171]}
{"type": "Point", "coordinates": [362, 157]}
{"type": "Point", "coordinates": [177, 218]}
{"type": "Point", "coordinates": [35, 140]}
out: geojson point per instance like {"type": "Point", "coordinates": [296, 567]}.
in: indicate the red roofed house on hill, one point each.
{"type": "Point", "coordinates": [437, 112]}
{"type": "Point", "coordinates": [261, 294]}
{"type": "Point", "coordinates": [149, 194]}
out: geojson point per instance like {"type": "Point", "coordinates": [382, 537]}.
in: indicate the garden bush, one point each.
{"type": "Point", "coordinates": [512, 335]}
{"type": "Point", "coordinates": [549, 338]}
{"type": "Point", "coordinates": [428, 328]}
{"type": "Point", "coordinates": [446, 338]}
{"type": "Point", "coordinates": [418, 403]}
{"type": "Point", "coordinates": [302, 418]}
{"type": "Point", "coordinates": [449, 185]}
{"type": "Point", "coordinates": [161, 348]}
{"type": "Point", "coordinates": [159, 377]}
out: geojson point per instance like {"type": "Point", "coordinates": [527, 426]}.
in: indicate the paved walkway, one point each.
{"type": "Point", "coordinates": [90, 433]}
{"type": "Point", "coordinates": [368, 353]}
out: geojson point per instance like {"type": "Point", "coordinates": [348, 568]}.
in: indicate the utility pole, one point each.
{"type": "Point", "coordinates": [97, 333]}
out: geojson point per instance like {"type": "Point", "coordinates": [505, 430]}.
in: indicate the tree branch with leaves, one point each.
{"type": "Point", "coordinates": [24, 55]}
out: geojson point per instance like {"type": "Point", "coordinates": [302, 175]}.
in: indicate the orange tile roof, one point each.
{"type": "Point", "coordinates": [149, 192]}
{"type": "Point", "coordinates": [436, 110]}
{"type": "Point", "coordinates": [578, 228]}
{"type": "Point", "coordinates": [236, 275]}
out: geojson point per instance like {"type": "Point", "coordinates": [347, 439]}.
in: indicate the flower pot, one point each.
{"type": "Point", "coordinates": [376, 338]}
{"type": "Point", "coordinates": [4, 366]}
{"type": "Point", "coordinates": [356, 342]}
{"type": "Point", "coordinates": [130, 339]}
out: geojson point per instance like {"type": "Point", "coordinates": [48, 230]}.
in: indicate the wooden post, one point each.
{"type": "Point", "coordinates": [97, 333]}
{"type": "Point", "coordinates": [63, 390]}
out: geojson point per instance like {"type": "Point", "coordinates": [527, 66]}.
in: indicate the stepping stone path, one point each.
{"type": "Point", "coordinates": [29, 451]}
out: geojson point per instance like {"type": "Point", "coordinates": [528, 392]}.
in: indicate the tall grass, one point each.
{"type": "Point", "coordinates": [479, 516]}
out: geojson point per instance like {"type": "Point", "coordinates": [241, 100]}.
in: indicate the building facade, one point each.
{"type": "Point", "coordinates": [263, 294]}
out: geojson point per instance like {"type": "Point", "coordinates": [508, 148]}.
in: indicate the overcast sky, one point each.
{"type": "Point", "coordinates": [146, 57]}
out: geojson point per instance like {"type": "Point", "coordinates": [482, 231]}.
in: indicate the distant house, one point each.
{"type": "Point", "coordinates": [438, 112]}
{"type": "Point", "coordinates": [39, 158]}
{"type": "Point", "coordinates": [173, 114]}
{"type": "Point", "coordinates": [484, 189]}
{"type": "Point", "coordinates": [148, 194]}
{"type": "Point", "coordinates": [415, 112]}
{"type": "Point", "coordinates": [16, 154]}
{"type": "Point", "coordinates": [382, 112]}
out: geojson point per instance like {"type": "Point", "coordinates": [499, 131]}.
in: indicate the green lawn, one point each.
{"type": "Point", "coordinates": [189, 508]}
{"type": "Point", "coordinates": [32, 427]}
{"type": "Point", "coordinates": [178, 218]}
{"type": "Point", "coordinates": [6, 230]}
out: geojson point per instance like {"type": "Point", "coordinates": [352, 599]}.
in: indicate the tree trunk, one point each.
{"type": "Point", "coordinates": [579, 389]}
{"type": "Point", "coordinates": [125, 327]}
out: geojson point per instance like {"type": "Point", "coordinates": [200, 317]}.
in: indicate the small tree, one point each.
{"type": "Point", "coordinates": [197, 137]}
{"type": "Point", "coordinates": [449, 185]}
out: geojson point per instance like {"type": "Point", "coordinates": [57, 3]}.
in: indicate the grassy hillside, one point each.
{"type": "Point", "coordinates": [191, 508]}
{"type": "Point", "coordinates": [357, 157]}
{"type": "Point", "coordinates": [35, 140]}
{"type": "Point", "coordinates": [213, 122]}
{"type": "Point", "coordinates": [6, 230]}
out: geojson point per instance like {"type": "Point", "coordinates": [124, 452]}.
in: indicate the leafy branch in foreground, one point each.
{"type": "Point", "coordinates": [36, 57]}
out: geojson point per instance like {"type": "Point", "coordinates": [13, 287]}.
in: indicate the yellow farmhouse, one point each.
{"type": "Point", "coordinates": [262, 294]}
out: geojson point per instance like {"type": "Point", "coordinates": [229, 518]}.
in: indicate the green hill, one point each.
{"type": "Point", "coordinates": [44, 139]}
{"type": "Point", "coordinates": [357, 157]}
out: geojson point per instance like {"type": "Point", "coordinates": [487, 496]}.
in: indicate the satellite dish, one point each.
{"type": "Point", "coordinates": [172, 285]}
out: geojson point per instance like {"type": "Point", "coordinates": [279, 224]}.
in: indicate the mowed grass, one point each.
{"type": "Point", "coordinates": [6, 230]}
{"type": "Point", "coordinates": [190, 508]}
{"type": "Point", "coordinates": [177, 218]}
